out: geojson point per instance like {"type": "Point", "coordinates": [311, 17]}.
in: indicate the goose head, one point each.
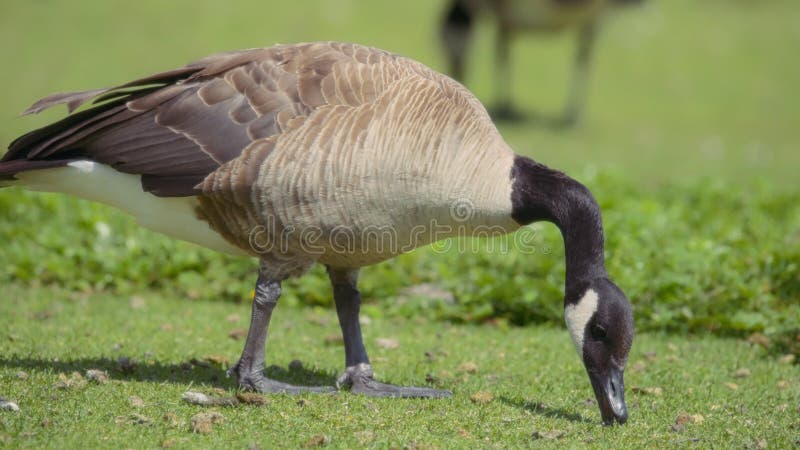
{"type": "Point", "coordinates": [600, 322]}
{"type": "Point", "coordinates": [598, 314]}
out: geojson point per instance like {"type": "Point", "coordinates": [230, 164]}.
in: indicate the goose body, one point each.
{"type": "Point", "coordinates": [322, 152]}
{"type": "Point", "coordinates": [326, 140]}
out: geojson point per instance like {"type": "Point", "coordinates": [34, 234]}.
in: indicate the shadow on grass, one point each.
{"type": "Point", "coordinates": [543, 410]}
{"type": "Point", "coordinates": [193, 371]}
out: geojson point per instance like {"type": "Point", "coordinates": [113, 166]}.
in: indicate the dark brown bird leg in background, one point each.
{"type": "Point", "coordinates": [580, 74]}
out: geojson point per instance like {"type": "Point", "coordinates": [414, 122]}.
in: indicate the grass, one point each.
{"type": "Point", "coordinates": [690, 145]}
{"type": "Point", "coordinates": [534, 375]}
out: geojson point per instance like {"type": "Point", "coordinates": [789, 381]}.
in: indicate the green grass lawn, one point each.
{"type": "Point", "coordinates": [533, 373]}
{"type": "Point", "coordinates": [690, 144]}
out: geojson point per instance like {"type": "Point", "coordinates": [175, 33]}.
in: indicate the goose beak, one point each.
{"type": "Point", "coordinates": [609, 389]}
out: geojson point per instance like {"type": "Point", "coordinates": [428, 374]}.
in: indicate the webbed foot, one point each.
{"type": "Point", "coordinates": [255, 380]}
{"type": "Point", "coordinates": [361, 381]}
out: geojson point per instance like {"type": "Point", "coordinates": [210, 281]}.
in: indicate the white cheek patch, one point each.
{"type": "Point", "coordinates": [578, 315]}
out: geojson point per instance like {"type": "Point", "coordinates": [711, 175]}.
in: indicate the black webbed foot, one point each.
{"type": "Point", "coordinates": [361, 381]}
{"type": "Point", "coordinates": [255, 380]}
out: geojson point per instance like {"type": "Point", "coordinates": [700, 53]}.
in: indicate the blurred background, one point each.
{"type": "Point", "coordinates": [678, 88]}
{"type": "Point", "coordinates": [689, 139]}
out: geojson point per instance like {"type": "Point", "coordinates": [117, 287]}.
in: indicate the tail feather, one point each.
{"type": "Point", "coordinates": [73, 100]}
{"type": "Point", "coordinates": [10, 168]}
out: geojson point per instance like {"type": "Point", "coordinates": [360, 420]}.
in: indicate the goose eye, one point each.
{"type": "Point", "coordinates": [598, 332]}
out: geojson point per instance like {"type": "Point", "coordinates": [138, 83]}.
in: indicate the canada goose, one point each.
{"type": "Point", "coordinates": [515, 16]}
{"type": "Point", "coordinates": [312, 153]}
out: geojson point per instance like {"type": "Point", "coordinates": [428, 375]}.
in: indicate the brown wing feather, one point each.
{"type": "Point", "coordinates": [176, 127]}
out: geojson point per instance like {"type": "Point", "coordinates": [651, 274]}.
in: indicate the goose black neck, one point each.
{"type": "Point", "coordinates": [542, 194]}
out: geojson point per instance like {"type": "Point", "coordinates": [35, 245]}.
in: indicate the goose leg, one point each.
{"type": "Point", "coordinates": [580, 75]}
{"type": "Point", "coordinates": [249, 370]}
{"type": "Point", "coordinates": [358, 373]}
{"type": "Point", "coordinates": [504, 109]}
{"type": "Point", "coordinates": [456, 35]}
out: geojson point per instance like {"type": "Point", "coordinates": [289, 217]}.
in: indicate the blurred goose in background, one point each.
{"type": "Point", "coordinates": [516, 16]}
{"type": "Point", "coordinates": [325, 153]}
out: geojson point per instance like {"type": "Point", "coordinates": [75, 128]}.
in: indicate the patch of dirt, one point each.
{"type": "Point", "coordinates": [134, 419]}
{"type": "Point", "coordinates": [481, 397]}
{"type": "Point", "coordinates": [233, 318]}
{"type": "Point", "coordinates": [216, 391]}
{"type": "Point", "coordinates": [237, 334]}
{"type": "Point", "coordinates": [136, 401]}
{"type": "Point", "coordinates": [317, 440]}
{"type": "Point", "coordinates": [318, 319]}
{"type": "Point", "coordinates": [638, 366]}
{"type": "Point", "coordinates": [655, 391]}
{"type": "Point", "coordinates": [743, 372]}
{"type": "Point", "coordinates": [685, 418]}
{"type": "Point", "coordinates": [431, 355]}
{"type": "Point", "coordinates": [220, 360]}
{"type": "Point", "coordinates": [172, 420]}
{"type": "Point", "coordinates": [549, 435]}
{"type": "Point", "coordinates": [468, 367]}
{"type": "Point", "coordinates": [388, 343]}
{"type": "Point", "coordinates": [252, 398]}
{"type": "Point", "coordinates": [759, 339]}
{"type": "Point", "coordinates": [334, 339]}
{"type": "Point", "coordinates": [74, 381]}
{"type": "Point", "coordinates": [203, 423]}
{"type": "Point", "coordinates": [42, 315]}
{"type": "Point", "coordinates": [97, 376]}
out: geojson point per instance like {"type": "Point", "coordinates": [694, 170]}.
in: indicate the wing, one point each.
{"type": "Point", "coordinates": [175, 128]}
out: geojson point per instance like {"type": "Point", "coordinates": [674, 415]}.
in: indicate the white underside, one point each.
{"type": "Point", "coordinates": [173, 216]}
{"type": "Point", "coordinates": [578, 315]}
